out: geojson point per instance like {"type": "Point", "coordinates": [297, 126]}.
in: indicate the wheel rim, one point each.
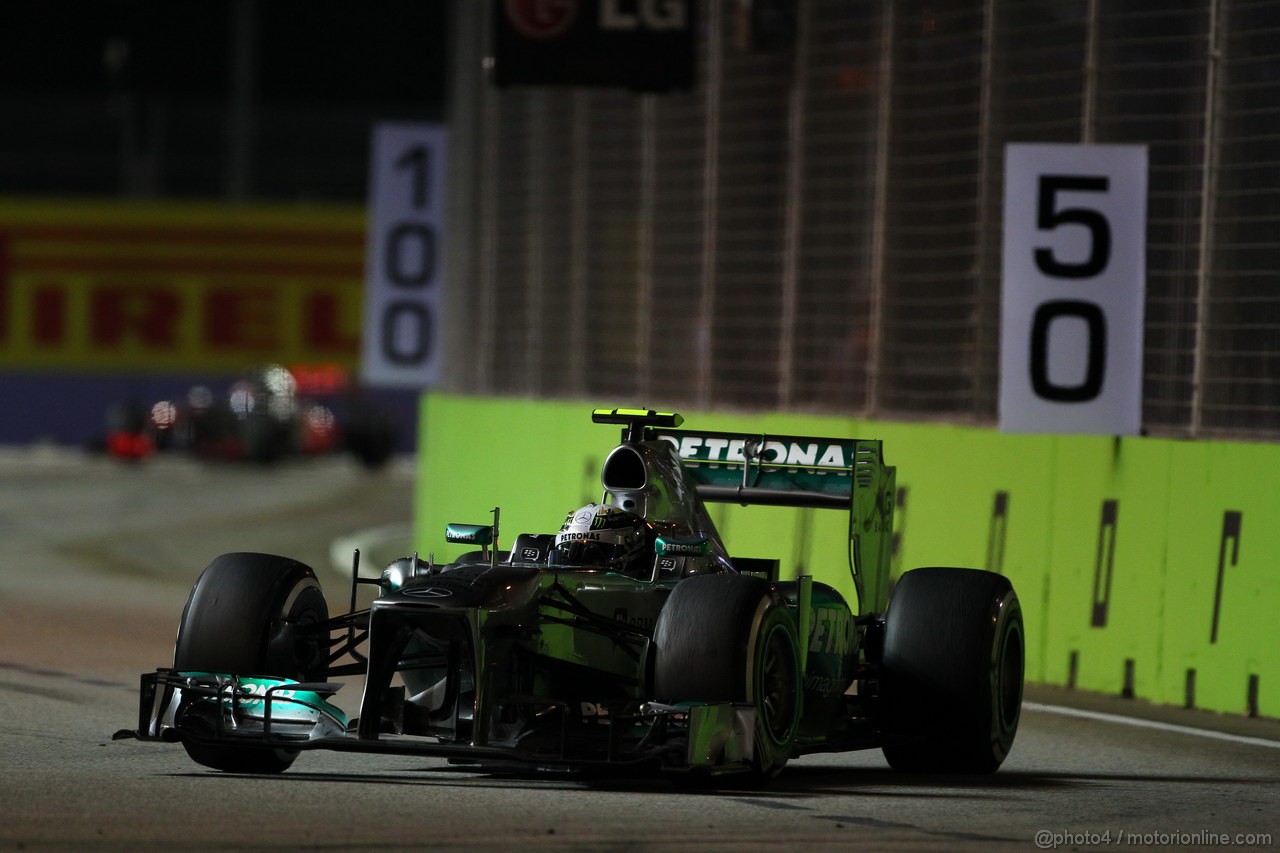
{"type": "Point", "coordinates": [778, 689]}
{"type": "Point", "coordinates": [1009, 687]}
{"type": "Point", "coordinates": [294, 648]}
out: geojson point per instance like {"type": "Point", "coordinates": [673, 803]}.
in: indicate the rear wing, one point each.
{"type": "Point", "coordinates": [782, 470]}
{"type": "Point", "coordinates": [801, 471]}
{"type": "Point", "coordinates": [787, 470]}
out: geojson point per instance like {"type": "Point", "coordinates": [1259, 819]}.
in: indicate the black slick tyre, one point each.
{"type": "Point", "coordinates": [248, 615]}
{"type": "Point", "coordinates": [951, 684]}
{"type": "Point", "coordinates": [730, 638]}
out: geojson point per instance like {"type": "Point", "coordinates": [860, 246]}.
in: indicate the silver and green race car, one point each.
{"type": "Point", "coordinates": [631, 638]}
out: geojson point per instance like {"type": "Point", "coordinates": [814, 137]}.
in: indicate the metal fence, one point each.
{"type": "Point", "coordinates": [815, 226]}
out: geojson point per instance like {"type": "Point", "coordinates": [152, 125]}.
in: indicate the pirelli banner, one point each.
{"type": "Point", "coordinates": [176, 288]}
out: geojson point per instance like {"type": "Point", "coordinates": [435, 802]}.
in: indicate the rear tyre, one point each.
{"type": "Point", "coordinates": [248, 615]}
{"type": "Point", "coordinates": [730, 638]}
{"type": "Point", "coordinates": [952, 671]}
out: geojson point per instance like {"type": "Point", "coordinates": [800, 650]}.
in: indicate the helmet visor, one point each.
{"type": "Point", "coordinates": [592, 553]}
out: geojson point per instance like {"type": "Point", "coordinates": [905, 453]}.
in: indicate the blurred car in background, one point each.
{"type": "Point", "coordinates": [269, 414]}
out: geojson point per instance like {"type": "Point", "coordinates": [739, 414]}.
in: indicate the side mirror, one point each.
{"type": "Point", "coordinates": [673, 547]}
{"type": "Point", "coordinates": [484, 535]}
{"type": "Point", "coordinates": [469, 534]}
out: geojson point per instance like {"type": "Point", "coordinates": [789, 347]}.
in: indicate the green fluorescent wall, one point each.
{"type": "Point", "coordinates": [1115, 546]}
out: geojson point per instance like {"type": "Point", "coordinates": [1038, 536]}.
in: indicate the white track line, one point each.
{"type": "Point", "coordinates": [1148, 724]}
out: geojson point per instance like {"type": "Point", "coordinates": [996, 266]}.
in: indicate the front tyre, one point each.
{"type": "Point", "coordinates": [730, 638]}
{"type": "Point", "coordinates": [249, 614]}
{"type": "Point", "coordinates": [952, 677]}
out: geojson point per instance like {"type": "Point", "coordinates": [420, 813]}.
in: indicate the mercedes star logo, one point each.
{"type": "Point", "coordinates": [428, 592]}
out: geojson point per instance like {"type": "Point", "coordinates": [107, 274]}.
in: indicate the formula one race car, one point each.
{"type": "Point", "coordinates": [629, 638]}
{"type": "Point", "coordinates": [270, 413]}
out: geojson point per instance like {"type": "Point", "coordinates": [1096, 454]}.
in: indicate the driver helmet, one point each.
{"type": "Point", "coordinates": [602, 535]}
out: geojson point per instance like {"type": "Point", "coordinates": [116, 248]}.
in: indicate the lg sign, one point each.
{"type": "Point", "coordinates": [1073, 289]}
{"type": "Point", "coordinates": [637, 44]}
{"type": "Point", "coordinates": [541, 19]}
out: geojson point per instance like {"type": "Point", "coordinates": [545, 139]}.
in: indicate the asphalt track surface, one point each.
{"type": "Point", "coordinates": [96, 560]}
